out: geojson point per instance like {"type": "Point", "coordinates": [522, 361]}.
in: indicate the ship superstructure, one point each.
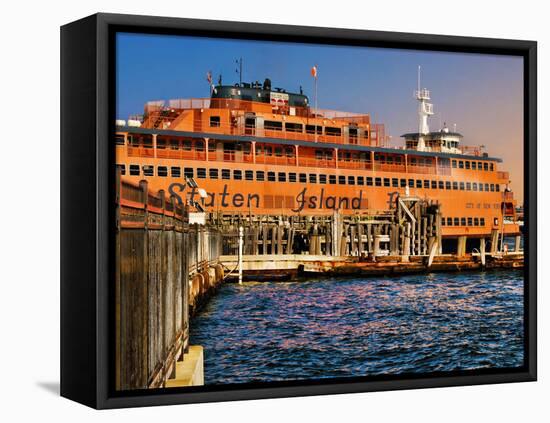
{"type": "Point", "coordinates": [258, 149]}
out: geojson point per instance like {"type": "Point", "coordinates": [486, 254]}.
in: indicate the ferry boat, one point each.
{"type": "Point", "coordinates": [253, 148]}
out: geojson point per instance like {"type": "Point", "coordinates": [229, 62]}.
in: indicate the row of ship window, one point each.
{"type": "Point", "coordinates": [462, 221]}
{"type": "Point", "coordinates": [312, 178]}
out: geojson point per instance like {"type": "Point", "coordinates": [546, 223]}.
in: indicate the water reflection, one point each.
{"type": "Point", "coordinates": [354, 327]}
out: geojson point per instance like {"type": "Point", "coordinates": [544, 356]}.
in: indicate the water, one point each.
{"type": "Point", "coordinates": [328, 327]}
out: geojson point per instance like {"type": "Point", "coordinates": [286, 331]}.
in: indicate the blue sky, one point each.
{"type": "Point", "coordinates": [482, 94]}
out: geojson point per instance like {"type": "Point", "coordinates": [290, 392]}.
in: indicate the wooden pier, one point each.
{"type": "Point", "coordinates": [165, 270]}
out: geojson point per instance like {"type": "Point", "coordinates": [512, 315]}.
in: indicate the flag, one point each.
{"type": "Point", "coordinates": [209, 77]}
{"type": "Point", "coordinates": [314, 72]}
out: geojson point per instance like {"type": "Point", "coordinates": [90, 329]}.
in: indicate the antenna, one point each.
{"type": "Point", "coordinates": [418, 75]}
{"type": "Point", "coordinates": [240, 70]}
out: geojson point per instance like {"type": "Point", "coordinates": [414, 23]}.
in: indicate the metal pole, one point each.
{"type": "Point", "coordinates": [240, 255]}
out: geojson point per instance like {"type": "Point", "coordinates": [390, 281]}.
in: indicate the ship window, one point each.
{"type": "Point", "coordinates": [456, 221]}
{"type": "Point", "coordinates": [434, 184]}
{"type": "Point", "coordinates": [289, 152]}
{"type": "Point", "coordinates": [260, 175]}
{"type": "Point", "coordinates": [378, 182]}
{"type": "Point", "coordinates": [443, 220]}
{"type": "Point", "coordinates": [402, 183]}
{"type": "Point", "coordinates": [226, 174]}
{"type": "Point", "coordinates": [147, 142]}
{"type": "Point", "coordinates": [162, 171]}
{"type": "Point", "coordinates": [310, 129]}
{"type": "Point", "coordinates": [332, 179]}
{"type": "Point", "coordinates": [119, 139]}
{"type": "Point", "coordinates": [487, 187]}
{"type": "Point", "coordinates": [474, 165]}
{"type": "Point", "coordinates": [322, 179]}
{"type": "Point", "coordinates": [302, 177]}
{"type": "Point", "coordinates": [342, 180]}
{"type": "Point", "coordinates": [369, 181]}
{"type": "Point", "coordinates": [273, 125]}
{"type": "Point", "coordinates": [148, 170]}
{"type": "Point", "coordinates": [360, 180]}
{"type": "Point", "coordinates": [413, 161]}
{"type": "Point", "coordinates": [351, 180]}
{"type": "Point", "coordinates": [332, 131]}
{"type": "Point", "coordinates": [292, 177]}
{"type": "Point", "coordinates": [411, 183]}
{"type": "Point", "coordinates": [188, 172]}
{"type": "Point", "coordinates": [122, 169]}
{"type": "Point", "coordinates": [470, 221]}
{"type": "Point", "coordinates": [454, 163]}
{"type": "Point", "coordinates": [249, 175]}
{"type": "Point", "coordinates": [480, 187]}
{"type": "Point", "coordinates": [312, 178]}
{"type": "Point", "coordinates": [479, 165]}
{"type": "Point", "coordinates": [462, 221]}
{"type": "Point", "coordinates": [476, 221]}
{"type": "Point", "coordinates": [201, 173]}
{"type": "Point", "coordinates": [467, 165]}
{"type": "Point", "coordinates": [491, 167]}
{"type": "Point", "coordinates": [134, 170]}
{"type": "Point", "coordinates": [492, 187]}
{"type": "Point", "coordinates": [134, 141]}
{"type": "Point", "coordinates": [485, 166]}
{"type": "Point", "coordinates": [447, 184]}
{"type": "Point", "coordinates": [215, 121]}
{"type": "Point", "coordinates": [386, 182]}
{"type": "Point", "coordinates": [468, 186]}
{"type": "Point", "coordinates": [482, 221]}
{"type": "Point", "coordinates": [394, 182]}
{"type": "Point", "coordinates": [271, 176]}
{"type": "Point", "coordinates": [461, 185]}
{"type": "Point", "coordinates": [161, 143]}
{"type": "Point", "coordinates": [449, 221]}
{"type": "Point", "coordinates": [455, 185]}
{"type": "Point", "coordinates": [268, 151]}
{"type": "Point", "coordinates": [187, 145]}
{"type": "Point", "coordinates": [426, 183]}
{"type": "Point", "coordinates": [212, 147]}
{"type": "Point", "coordinates": [258, 149]}
{"type": "Point", "coordinates": [319, 154]}
{"type": "Point", "coordinates": [174, 144]}
{"type": "Point", "coordinates": [278, 152]}
{"type": "Point", "coordinates": [293, 127]}
{"type": "Point", "coordinates": [441, 185]}
{"type": "Point", "coordinates": [282, 177]}
{"type": "Point", "coordinates": [419, 183]}
{"type": "Point", "coordinates": [474, 186]}
{"type": "Point", "coordinates": [461, 164]}
{"type": "Point", "coordinates": [213, 173]}
{"type": "Point", "coordinates": [199, 145]}
{"type": "Point", "coordinates": [497, 187]}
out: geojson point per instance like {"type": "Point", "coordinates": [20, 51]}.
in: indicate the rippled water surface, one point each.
{"type": "Point", "coordinates": [331, 327]}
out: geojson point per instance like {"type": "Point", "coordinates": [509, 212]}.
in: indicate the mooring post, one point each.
{"type": "Point", "coordinates": [240, 255]}
{"type": "Point", "coordinates": [517, 244]}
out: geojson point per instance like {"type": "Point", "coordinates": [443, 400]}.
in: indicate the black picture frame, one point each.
{"type": "Point", "coordinates": [87, 190]}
